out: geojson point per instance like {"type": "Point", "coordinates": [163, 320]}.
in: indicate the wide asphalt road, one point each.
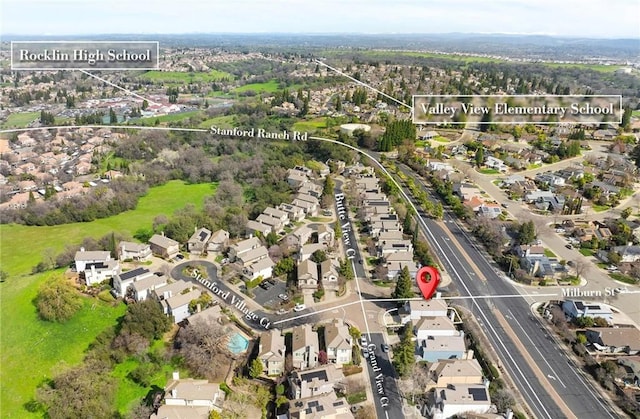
{"type": "Point", "coordinates": [577, 392]}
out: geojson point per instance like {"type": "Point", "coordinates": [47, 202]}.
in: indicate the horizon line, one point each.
{"type": "Point", "coordinates": [391, 34]}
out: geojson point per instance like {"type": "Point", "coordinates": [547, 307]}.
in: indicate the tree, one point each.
{"type": "Point", "coordinates": [526, 232]}
{"type": "Point", "coordinates": [614, 257]}
{"type": "Point", "coordinates": [404, 285]}
{"type": "Point", "coordinates": [58, 300]}
{"type": "Point", "coordinates": [86, 391]}
{"type": "Point", "coordinates": [626, 118]}
{"type": "Point", "coordinates": [146, 319]}
{"type": "Point", "coordinates": [480, 156]}
{"type": "Point", "coordinates": [318, 256]}
{"type": "Point", "coordinates": [322, 357]}
{"type": "Point", "coordinates": [626, 213]}
{"type": "Point", "coordinates": [256, 368]}
{"type": "Point", "coordinates": [338, 103]}
{"type": "Point", "coordinates": [404, 353]}
{"type": "Point", "coordinates": [113, 118]}
{"type": "Point", "coordinates": [203, 349]}
{"type": "Point", "coordinates": [145, 104]}
{"type": "Point", "coordinates": [284, 267]}
{"type": "Point", "coordinates": [503, 399]}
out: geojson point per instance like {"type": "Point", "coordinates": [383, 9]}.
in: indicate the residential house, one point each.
{"type": "Point", "coordinates": [276, 224]}
{"type": "Point", "coordinates": [604, 134]}
{"type": "Point", "coordinates": [308, 249]}
{"type": "Point", "coordinates": [338, 342]}
{"type": "Point", "coordinates": [489, 210]}
{"type": "Point", "coordinates": [248, 258]}
{"type": "Point", "coordinates": [311, 189]}
{"type": "Point", "coordinates": [575, 309]}
{"type": "Point", "coordinates": [525, 250]}
{"type": "Point", "coordinates": [434, 326]}
{"type": "Point", "coordinates": [295, 179]}
{"type": "Point", "coordinates": [304, 347]}
{"type": "Point", "coordinates": [550, 179]}
{"type": "Point", "coordinates": [164, 246]}
{"type": "Point", "coordinates": [261, 268]}
{"type": "Point", "coordinates": [315, 382]}
{"type": "Point", "coordinates": [143, 287]}
{"type": "Point", "coordinates": [169, 290]}
{"type": "Point", "coordinates": [218, 241]}
{"type": "Point", "coordinates": [495, 163]}
{"type": "Point", "coordinates": [277, 213]}
{"type": "Point", "coordinates": [629, 253]}
{"type": "Point", "coordinates": [84, 258]}
{"type": "Point", "coordinates": [310, 208]}
{"type": "Point", "coordinates": [457, 399]}
{"type": "Point", "coordinates": [607, 189]}
{"type": "Point", "coordinates": [435, 347]}
{"type": "Point", "coordinates": [295, 213]}
{"type": "Point", "coordinates": [95, 266]}
{"type": "Point", "coordinates": [325, 235]}
{"type": "Point", "coordinates": [197, 243]}
{"type": "Point", "coordinates": [416, 309]}
{"type": "Point", "coordinates": [122, 281]}
{"type": "Point", "coordinates": [178, 305]}
{"type": "Point", "coordinates": [253, 227]}
{"type": "Point", "coordinates": [134, 251]}
{"type": "Point", "coordinates": [302, 235]}
{"type": "Point", "coordinates": [538, 196]}
{"type": "Point", "coordinates": [308, 276]}
{"type": "Point", "coordinates": [396, 262]}
{"type": "Point", "coordinates": [615, 340]}
{"type": "Point", "coordinates": [242, 247]}
{"type": "Point", "coordinates": [542, 266]}
{"type": "Point", "coordinates": [386, 247]}
{"type": "Point", "coordinates": [378, 227]}
{"type": "Point", "coordinates": [454, 371]}
{"type": "Point", "coordinates": [466, 191]}
{"type": "Point", "coordinates": [271, 351]}
{"type": "Point", "coordinates": [326, 406]}
{"type": "Point", "coordinates": [190, 398]}
{"type": "Point", "coordinates": [329, 276]}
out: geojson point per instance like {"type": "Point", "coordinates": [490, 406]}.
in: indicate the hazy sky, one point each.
{"type": "Point", "coordinates": [581, 18]}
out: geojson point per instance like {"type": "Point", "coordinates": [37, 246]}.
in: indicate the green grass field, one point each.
{"type": "Point", "coordinates": [21, 247]}
{"type": "Point", "coordinates": [148, 122]}
{"type": "Point", "coordinates": [34, 350]}
{"type": "Point", "coordinates": [185, 77]}
{"type": "Point", "coordinates": [20, 120]}
{"type": "Point", "coordinates": [471, 58]}
{"type": "Point", "coordinates": [489, 171]}
{"type": "Point", "coordinates": [269, 87]}
{"type": "Point", "coordinates": [310, 125]}
{"type": "Point", "coordinates": [219, 121]}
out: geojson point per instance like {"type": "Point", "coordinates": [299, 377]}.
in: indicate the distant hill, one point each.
{"type": "Point", "coordinates": [540, 47]}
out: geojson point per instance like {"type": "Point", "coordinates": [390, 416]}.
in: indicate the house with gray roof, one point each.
{"type": "Point", "coordinates": [164, 246]}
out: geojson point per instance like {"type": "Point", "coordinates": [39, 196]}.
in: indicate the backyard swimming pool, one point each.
{"type": "Point", "coordinates": [238, 343]}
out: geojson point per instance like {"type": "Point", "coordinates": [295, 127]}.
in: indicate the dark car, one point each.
{"type": "Point", "coordinates": [271, 281]}
{"type": "Point", "coordinates": [569, 246]}
{"type": "Point", "coordinates": [265, 285]}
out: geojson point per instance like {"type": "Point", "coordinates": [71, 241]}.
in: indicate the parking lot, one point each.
{"type": "Point", "coordinates": [269, 298]}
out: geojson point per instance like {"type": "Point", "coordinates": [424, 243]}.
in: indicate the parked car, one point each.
{"type": "Point", "coordinates": [281, 311]}
{"type": "Point", "coordinates": [271, 281]}
{"type": "Point", "coordinates": [569, 246]}
{"type": "Point", "coordinates": [265, 285]}
{"type": "Point", "coordinates": [385, 347]}
{"type": "Point", "coordinates": [299, 307]}
{"type": "Point", "coordinates": [283, 297]}
{"type": "Point", "coordinates": [363, 341]}
{"type": "Point", "coordinates": [365, 353]}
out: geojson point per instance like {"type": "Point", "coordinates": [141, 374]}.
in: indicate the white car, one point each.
{"type": "Point", "coordinates": [299, 307]}
{"type": "Point", "coordinates": [363, 341]}
{"type": "Point", "coordinates": [365, 353]}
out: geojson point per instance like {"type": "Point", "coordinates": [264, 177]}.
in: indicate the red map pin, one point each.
{"type": "Point", "coordinates": [428, 279]}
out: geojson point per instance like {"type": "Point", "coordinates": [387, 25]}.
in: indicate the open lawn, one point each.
{"type": "Point", "coordinates": [270, 87]}
{"type": "Point", "coordinates": [310, 125]}
{"type": "Point", "coordinates": [600, 208]}
{"type": "Point", "coordinates": [34, 350]}
{"type": "Point", "coordinates": [185, 77]}
{"type": "Point", "coordinates": [489, 171]}
{"type": "Point", "coordinates": [548, 253]}
{"type": "Point", "coordinates": [219, 121]}
{"type": "Point", "coordinates": [21, 247]}
{"type": "Point", "coordinates": [173, 117]}
{"type": "Point", "coordinates": [20, 119]}
{"type": "Point", "coordinates": [586, 252]}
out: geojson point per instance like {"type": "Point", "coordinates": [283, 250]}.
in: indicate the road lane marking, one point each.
{"type": "Point", "coordinates": [534, 346]}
